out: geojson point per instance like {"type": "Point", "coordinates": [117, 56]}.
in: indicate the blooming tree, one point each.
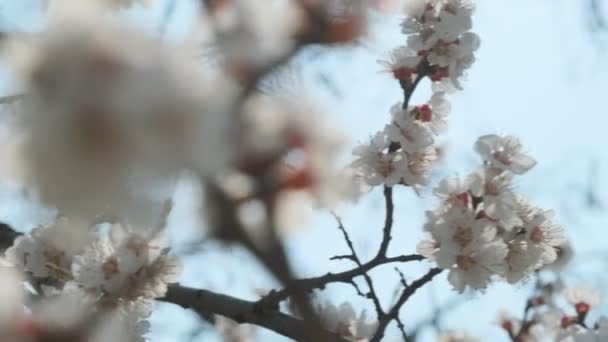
{"type": "Point", "coordinates": [110, 117]}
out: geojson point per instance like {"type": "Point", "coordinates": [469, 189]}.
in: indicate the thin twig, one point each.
{"type": "Point", "coordinates": [368, 280]}
{"type": "Point", "coordinates": [309, 284]}
{"type": "Point", "coordinates": [393, 314]}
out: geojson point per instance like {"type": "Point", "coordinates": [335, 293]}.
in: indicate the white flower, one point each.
{"type": "Point", "coordinates": [413, 129]}
{"type": "Point", "coordinates": [469, 249]}
{"type": "Point", "coordinates": [434, 113]}
{"type": "Point", "coordinates": [521, 260]}
{"type": "Point", "coordinates": [582, 298]}
{"type": "Point", "coordinates": [453, 21]}
{"type": "Point", "coordinates": [504, 152]}
{"type": "Point", "coordinates": [284, 138]}
{"type": "Point", "coordinates": [253, 33]}
{"type": "Point", "coordinates": [233, 331]}
{"type": "Point", "coordinates": [107, 131]}
{"type": "Point", "coordinates": [475, 264]}
{"type": "Point", "coordinates": [508, 322]}
{"type": "Point", "coordinates": [377, 165]}
{"type": "Point", "coordinates": [126, 265]}
{"type": "Point", "coordinates": [544, 235]}
{"type": "Point", "coordinates": [428, 247]}
{"type": "Point", "coordinates": [344, 321]}
{"type": "Point", "coordinates": [402, 63]}
{"type": "Point", "coordinates": [125, 323]}
{"type": "Point", "coordinates": [419, 166]}
{"type": "Point", "coordinates": [454, 191]}
{"type": "Point", "coordinates": [48, 251]}
{"type": "Point", "coordinates": [411, 135]}
{"type": "Point", "coordinates": [414, 8]}
{"type": "Point", "coordinates": [565, 253]}
{"type": "Point", "coordinates": [454, 54]}
{"type": "Point", "coordinates": [499, 202]}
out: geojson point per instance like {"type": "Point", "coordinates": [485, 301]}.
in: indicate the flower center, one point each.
{"type": "Point", "coordinates": [465, 262]}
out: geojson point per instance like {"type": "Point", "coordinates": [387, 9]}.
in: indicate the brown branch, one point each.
{"type": "Point", "coordinates": [242, 311]}
{"type": "Point", "coordinates": [205, 303]}
{"type": "Point", "coordinates": [372, 295]}
{"type": "Point", "coordinates": [310, 284]}
{"type": "Point", "coordinates": [405, 295]}
{"type": "Point", "coordinates": [388, 221]}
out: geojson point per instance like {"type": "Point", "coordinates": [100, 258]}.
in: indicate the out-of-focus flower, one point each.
{"type": "Point", "coordinates": [112, 117]}
{"type": "Point", "coordinates": [482, 230]}
{"type": "Point", "coordinates": [232, 331]}
{"type": "Point", "coordinates": [126, 265]}
{"type": "Point", "coordinates": [49, 251]}
{"type": "Point", "coordinates": [343, 320]}
{"type": "Point", "coordinates": [254, 33]}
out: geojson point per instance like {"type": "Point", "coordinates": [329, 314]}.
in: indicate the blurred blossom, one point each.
{"type": "Point", "coordinates": [343, 320]}
{"type": "Point", "coordinates": [115, 114]}
{"type": "Point", "coordinates": [49, 251]}
{"type": "Point", "coordinates": [253, 33]}
{"type": "Point", "coordinates": [483, 230]}
{"type": "Point", "coordinates": [288, 141]}
{"type": "Point", "coordinates": [232, 331]}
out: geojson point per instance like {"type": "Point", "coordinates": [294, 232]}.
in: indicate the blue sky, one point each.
{"type": "Point", "coordinates": [539, 76]}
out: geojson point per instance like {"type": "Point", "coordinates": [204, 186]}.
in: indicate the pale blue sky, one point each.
{"type": "Point", "coordinates": [538, 76]}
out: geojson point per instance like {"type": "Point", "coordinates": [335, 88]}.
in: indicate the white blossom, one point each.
{"type": "Point", "coordinates": [544, 235]}
{"type": "Point", "coordinates": [343, 320]}
{"type": "Point", "coordinates": [127, 265]}
{"type": "Point", "coordinates": [48, 251]}
{"type": "Point", "coordinates": [582, 295]}
{"type": "Point", "coordinates": [232, 331]}
{"type": "Point", "coordinates": [103, 120]}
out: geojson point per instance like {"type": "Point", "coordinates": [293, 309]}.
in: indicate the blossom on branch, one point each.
{"type": "Point", "coordinates": [483, 230]}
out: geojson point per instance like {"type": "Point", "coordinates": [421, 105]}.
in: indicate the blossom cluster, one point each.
{"type": "Point", "coordinates": [440, 47]}
{"type": "Point", "coordinates": [121, 272]}
{"type": "Point", "coordinates": [483, 229]}
{"type": "Point", "coordinates": [549, 318]}
{"type": "Point", "coordinates": [114, 116]}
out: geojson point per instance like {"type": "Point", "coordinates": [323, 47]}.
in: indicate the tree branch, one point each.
{"type": "Point", "coordinates": [309, 284]}
{"type": "Point", "coordinates": [388, 221]}
{"type": "Point", "coordinates": [354, 257]}
{"type": "Point", "coordinates": [205, 302]}
{"type": "Point", "coordinates": [242, 311]}
{"type": "Point", "coordinates": [405, 295]}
